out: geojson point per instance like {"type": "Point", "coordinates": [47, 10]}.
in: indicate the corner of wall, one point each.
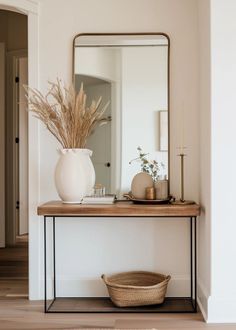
{"type": "Point", "coordinates": [213, 309]}
{"type": "Point", "coordinates": [202, 300]}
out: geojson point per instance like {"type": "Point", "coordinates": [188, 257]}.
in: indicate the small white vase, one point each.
{"type": "Point", "coordinates": [74, 174]}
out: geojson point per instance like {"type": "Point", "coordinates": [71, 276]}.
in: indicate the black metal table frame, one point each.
{"type": "Point", "coordinates": [193, 264]}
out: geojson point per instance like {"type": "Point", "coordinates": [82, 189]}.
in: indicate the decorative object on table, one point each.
{"type": "Point", "coordinates": [152, 167]}
{"type": "Point", "coordinates": [131, 198]}
{"type": "Point", "coordinates": [105, 199]}
{"type": "Point", "coordinates": [138, 288]}
{"type": "Point", "coordinates": [140, 188]}
{"type": "Point", "coordinates": [150, 193]}
{"type": "Point", "coordinates": [161, 188]}
{"type": "Point", "coordinates": [182, 200]}
{"type": "Point", "coordinates": [74, 174]}
{"type": "Point", "coordinates": [140, 182]}
{"type": "Point", "coordinates": [65, 114]}
{"type": "Point", "coordinates": [98, 190]}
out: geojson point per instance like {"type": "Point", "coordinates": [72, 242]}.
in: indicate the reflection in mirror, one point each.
{"type": "Point", "coordinates": [100, 140]}
{"type": "Point", "coordinates": [131, 72]}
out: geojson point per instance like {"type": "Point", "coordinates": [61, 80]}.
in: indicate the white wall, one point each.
{"type": "Point", "coordinates": [204, 224]}
{"type": "Point", "coordinates": [217, 27]}
{"type": "Point", "coordinates": [222, 303]}
{"type": "Point", "coordinates": [99, 63]}
{"type": "Point", "coordinates": [135, 236]}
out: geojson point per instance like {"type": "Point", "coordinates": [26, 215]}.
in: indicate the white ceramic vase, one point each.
{"type": "Point", "coordinates": [74, 174]}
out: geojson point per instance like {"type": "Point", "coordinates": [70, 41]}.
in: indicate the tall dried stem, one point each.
{"type": "Point", "coordinates": [65, 114]}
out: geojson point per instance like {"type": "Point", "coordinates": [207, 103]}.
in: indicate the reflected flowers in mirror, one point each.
{"type": "Point", "coordinates": [150, 166]}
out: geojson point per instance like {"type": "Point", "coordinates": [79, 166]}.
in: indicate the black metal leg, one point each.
{"type": "Point", "coordinates": [195, 263]}
{"type": "Point", "coordinates": [54, 257]}
{"type": "Point", "coordinates": [191, 257]}
{"type": "Point", "coordinates": [45, 264]}
{"type": "Point", "coordinates": [53, 263]}
{"type": "Point", "coordinates": [46, 308]}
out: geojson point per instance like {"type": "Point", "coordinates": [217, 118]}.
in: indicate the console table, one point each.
{"type": "Point", "coordinates": [56, 209]}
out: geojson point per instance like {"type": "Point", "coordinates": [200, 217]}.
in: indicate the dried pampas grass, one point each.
{"type": "Point", "coordinates": [65, 114]}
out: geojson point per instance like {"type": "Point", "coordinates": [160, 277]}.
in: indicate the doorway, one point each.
{"type": "Point", "coordinates": [14, 151]}
{"type": "Point", "coordinates": [100, 141]}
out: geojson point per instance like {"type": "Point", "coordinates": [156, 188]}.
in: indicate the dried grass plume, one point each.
{"type": "Point", "coordinates": [65, 114]}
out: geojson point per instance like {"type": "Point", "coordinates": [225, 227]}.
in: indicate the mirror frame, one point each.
{"type": "Point", "coordinates": [168, 71]}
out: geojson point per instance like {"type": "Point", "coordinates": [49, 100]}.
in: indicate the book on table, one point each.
{"type": "Point", "coordinates": [106, 199]}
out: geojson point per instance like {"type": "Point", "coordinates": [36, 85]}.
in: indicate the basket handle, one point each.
{"type": "Point", "coordinates": [168, 277]}
{"type": "Point", "coordinates": [104, 278]}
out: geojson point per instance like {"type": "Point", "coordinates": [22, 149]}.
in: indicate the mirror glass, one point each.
{"type": "Point", "coordinates": [131, 73]}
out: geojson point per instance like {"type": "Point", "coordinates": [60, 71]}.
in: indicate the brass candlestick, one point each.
{"type": "Point", "coordinates": [182, 201]}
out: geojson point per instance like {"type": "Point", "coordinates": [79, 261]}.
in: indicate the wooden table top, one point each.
{"type": "Point", "coordinates": [118, 209]}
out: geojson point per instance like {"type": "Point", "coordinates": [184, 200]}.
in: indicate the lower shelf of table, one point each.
{"type": "Point", "coordinates": [104, 305]}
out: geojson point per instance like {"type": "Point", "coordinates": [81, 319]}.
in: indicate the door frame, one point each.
{"type": "Point", "coordinates": [23, 222]}
{"type": "Point", "coordinates": [31, 9]}
{"type": "Point", "coordinates": [2, 145]}
{"type": "Point", "coordinates": [12, 155]}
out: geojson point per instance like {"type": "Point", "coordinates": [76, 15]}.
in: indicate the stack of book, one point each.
{"type": "Point", "coordinates": [106, 199]}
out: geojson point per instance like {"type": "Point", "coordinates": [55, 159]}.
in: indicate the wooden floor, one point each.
{"type": "Point", "coordinates": [14, 260]}
{"type": "Point", "coordinates": [14, 269]}
{"type": "Point", "coordinates": [23, 314]}
{"type": "Point", "coordinates": [17, 312]}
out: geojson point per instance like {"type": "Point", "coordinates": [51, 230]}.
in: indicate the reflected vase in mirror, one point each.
{"type": "Point", "coordinates": [132, 71]}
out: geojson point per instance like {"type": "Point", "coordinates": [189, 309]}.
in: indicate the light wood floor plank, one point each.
{"type": "Point", "coordinates": [22, 314]}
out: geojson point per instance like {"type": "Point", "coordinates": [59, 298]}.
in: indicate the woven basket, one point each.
{"type": "Point", "coordinates": [136, 288]}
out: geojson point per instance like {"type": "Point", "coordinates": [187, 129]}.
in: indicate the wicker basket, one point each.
{"type": "Point", "coordinates": [136, 288]}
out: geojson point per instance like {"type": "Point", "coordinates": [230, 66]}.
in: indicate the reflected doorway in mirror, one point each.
{"type": "Point", "coordinates": [100, 139]}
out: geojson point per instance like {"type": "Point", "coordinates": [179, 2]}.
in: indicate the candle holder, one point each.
{"type": "Point", "coordinates": [182, 200]}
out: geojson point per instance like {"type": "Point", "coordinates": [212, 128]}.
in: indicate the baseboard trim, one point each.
{"type": "Point", "coordinates": [202, 310]}
{"type": "Point", "coordinates": [202, 299]}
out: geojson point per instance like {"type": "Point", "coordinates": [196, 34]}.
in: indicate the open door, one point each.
{"type": "Point", "coordinates": [2, 145]}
